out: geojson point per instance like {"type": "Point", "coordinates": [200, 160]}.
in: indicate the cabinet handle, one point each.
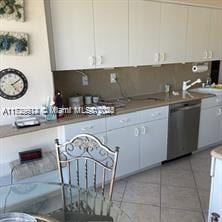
{"type": "Point", "coordinates": [155, 114]}
{"type": "Point", "coordinates": [99, 60]}
{"type": "Point", "coordinates": [124, 120]}
{"type": "Point", "coordinates": [157, 57]}
{"type": "Point", "coordinates": [210, 55]}
{"type": "Point", "coordinates": [87, 128]}
{"type": "Point", "coordinates": [103, 139]}
{"type": "Point", "coordinates": [206, 55]}
{"type": "Point", "coordinates": [137, 132]}
{"type": "Point", "coordinates": [91, 60]}
{"type": "Point", "coordinates": [219, 112]}
{"type": "Point", "coordinates": [163, 56]}
{"type": "Point", "coordinates": [144, 130]}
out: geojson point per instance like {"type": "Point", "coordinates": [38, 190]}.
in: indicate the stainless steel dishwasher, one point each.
{"type": "Point", "coordinates": [183, 130]}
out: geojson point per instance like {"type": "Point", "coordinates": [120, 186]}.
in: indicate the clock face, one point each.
{"type": "Point", "coordinates": [13, 84]}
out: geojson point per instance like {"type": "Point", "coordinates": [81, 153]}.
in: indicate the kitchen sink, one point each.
{"type": "Point", "coordinates": [207, 90]}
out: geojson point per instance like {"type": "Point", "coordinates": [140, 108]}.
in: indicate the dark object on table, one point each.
{"type": "Point", "coordinates": [30, 155]}
{"type": "Point", "coordinates": [59, 104]}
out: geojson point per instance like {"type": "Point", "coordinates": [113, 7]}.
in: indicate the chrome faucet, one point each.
{"type": "Point", "coordinates": [186, 87]}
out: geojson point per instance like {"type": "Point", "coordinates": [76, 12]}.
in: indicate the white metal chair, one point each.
{"type": "Point", "coordinates": [94, 154]}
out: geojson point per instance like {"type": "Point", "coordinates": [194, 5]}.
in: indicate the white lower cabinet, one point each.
{"type": "Point", "coordinates": [216, 184]}
{"type": "Point", "coordinates": [94, 127]}
{"type": "Point", "coordinates": [127, 139]}
{"type": "Point", "coordinates": [210, 125]}
{"type": "Point", "coordinates": [142, 144]}
{"type": "Point", "coordinates": [153, 143]}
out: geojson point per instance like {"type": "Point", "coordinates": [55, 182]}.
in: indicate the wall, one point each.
{"type": "Point", "coordinates": [37, 69]}
{"type": "Point", "coordinates": [36, 66]}
{"type": "Point", "coordinates": [133, 81]}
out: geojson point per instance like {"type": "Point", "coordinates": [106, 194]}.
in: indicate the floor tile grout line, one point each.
{"type": "Point", "coordinates": [186, 210]}
{"type": "Point", "coordinates": [141, 204]}
{"type": "Point", "coordinates": [124, 191]}
{"type": "Point", "coordinates": [173, 208]}
{"type": "Point", "coordinates": [163, 184]}
{"type": "Point", "coordinates": [198, 193]}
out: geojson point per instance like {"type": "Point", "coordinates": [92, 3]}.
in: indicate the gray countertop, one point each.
{"type": "Point", "coordinates": [134, 104]}
{"type": "Point", "coordinates": [217, 153]}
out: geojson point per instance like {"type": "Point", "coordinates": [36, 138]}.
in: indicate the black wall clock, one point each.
{"type": "Point", "coordinates": [13, 84]}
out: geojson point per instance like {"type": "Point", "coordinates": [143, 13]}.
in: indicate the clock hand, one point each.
{"type": "Point", "coordinates": [15, 82]}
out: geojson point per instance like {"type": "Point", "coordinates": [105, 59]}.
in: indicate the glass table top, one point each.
{"type": "Point", "coordinates": [57, 203]}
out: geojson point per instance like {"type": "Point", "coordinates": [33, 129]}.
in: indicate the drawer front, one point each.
{"type": "Point", "coordinates": [154, 114]}
{"type": "Point", "coordinates": [137, 117]}
{"type": "Point", "coordinates": [209, 102]}
{"type": "Point", "coordinates": [91, 127]}
{"type": "Point", "coordinates": [123, 120]}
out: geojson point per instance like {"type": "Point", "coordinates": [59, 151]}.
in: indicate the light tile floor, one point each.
{"type": "Point", "coordinates": [174, 192]}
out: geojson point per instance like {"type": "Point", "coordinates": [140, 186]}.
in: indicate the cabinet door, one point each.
{"type": "Point", "coordinates": [153, 143]}
{"type": "Point", "coordinates": [216, 184]}
{"type": "Point", "coordinates": [198, 34]}
{"type": "Point", "coordinates": [73, 34]}
{"type": "Point", "coordinates": [128, 140]}
{"type": "Point", "coordinates": [173, 33]}
{"type": "Point", "coordinates": [144, 32]}
{"type": "Point", "coordinates": [111, 32]}
{"type": "Point", "coordinates": [209, 127]}
{"type": "Point", "coordinates": [215, 41]}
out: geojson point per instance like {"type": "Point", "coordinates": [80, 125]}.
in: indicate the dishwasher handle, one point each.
{"type": "Point", "coordinates": [184, 108]}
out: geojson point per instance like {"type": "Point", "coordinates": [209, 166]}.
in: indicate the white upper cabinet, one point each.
{"type": "Point", "coordinates": [111, 32]}
{"type": "Point", "coordinates": [215, 39]}
{"type": "Point", "coordinates": [204, 36]}
{"type": "Point", "coordinates": [73, 34]}
{"type": "Point", "coordinates": [198, 34]}
{"type": "Point", "coordinates": [144, 32]}
{"type": "Point", "coordinates": [91, 34]}
{"type": "Point", "coordinates": [173, 33]}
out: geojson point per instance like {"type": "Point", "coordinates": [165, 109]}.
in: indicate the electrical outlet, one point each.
{"type": "Point", "coordinates": [85, 81]}
{"type": "Point", "coordinates": [113, 77]}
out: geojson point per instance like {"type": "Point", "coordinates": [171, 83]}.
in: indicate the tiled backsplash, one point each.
{"type": "Point", "coordinates": [132, 80]}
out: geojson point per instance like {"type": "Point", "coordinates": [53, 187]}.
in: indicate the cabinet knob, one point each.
{"type": "Point", "coordinates": [99, 60]}
{"type": "Point", "coordinates": [206, 55]}
{"type": "Point", "coordinates": [124, 120]}
{"type": "Point", "coordinates": [137, 132]}
{"type": "Point", "coordinates": [157, 57]}
{"type": "Point", "coordinates": [91, 60]}
{"type": "Point", "coordinates": [144, 130]}
{"type": "Point", "coordinates": [87, 128]}
{"type": "Point", "coordinates": [219, 112]}
{"type": "Point", "coordinates": [210, 55]}
{"type": "Point", "coordinates": [163, 56]}
{"type": "Point", "coordinates": [215, 217]}
{"type": "Point", "coordinates": [103, 139]}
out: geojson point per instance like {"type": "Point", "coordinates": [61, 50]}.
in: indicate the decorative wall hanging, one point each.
{"type": "Point", "coordinates": [13, 84]}
{"type": "Point", "coordinates": [12, 9]}
{"type": "Point", "coordinates": [13, 43]}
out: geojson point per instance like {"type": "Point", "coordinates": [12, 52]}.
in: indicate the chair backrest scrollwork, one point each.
{"type": "Point", "coordinates": [92, 154]}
